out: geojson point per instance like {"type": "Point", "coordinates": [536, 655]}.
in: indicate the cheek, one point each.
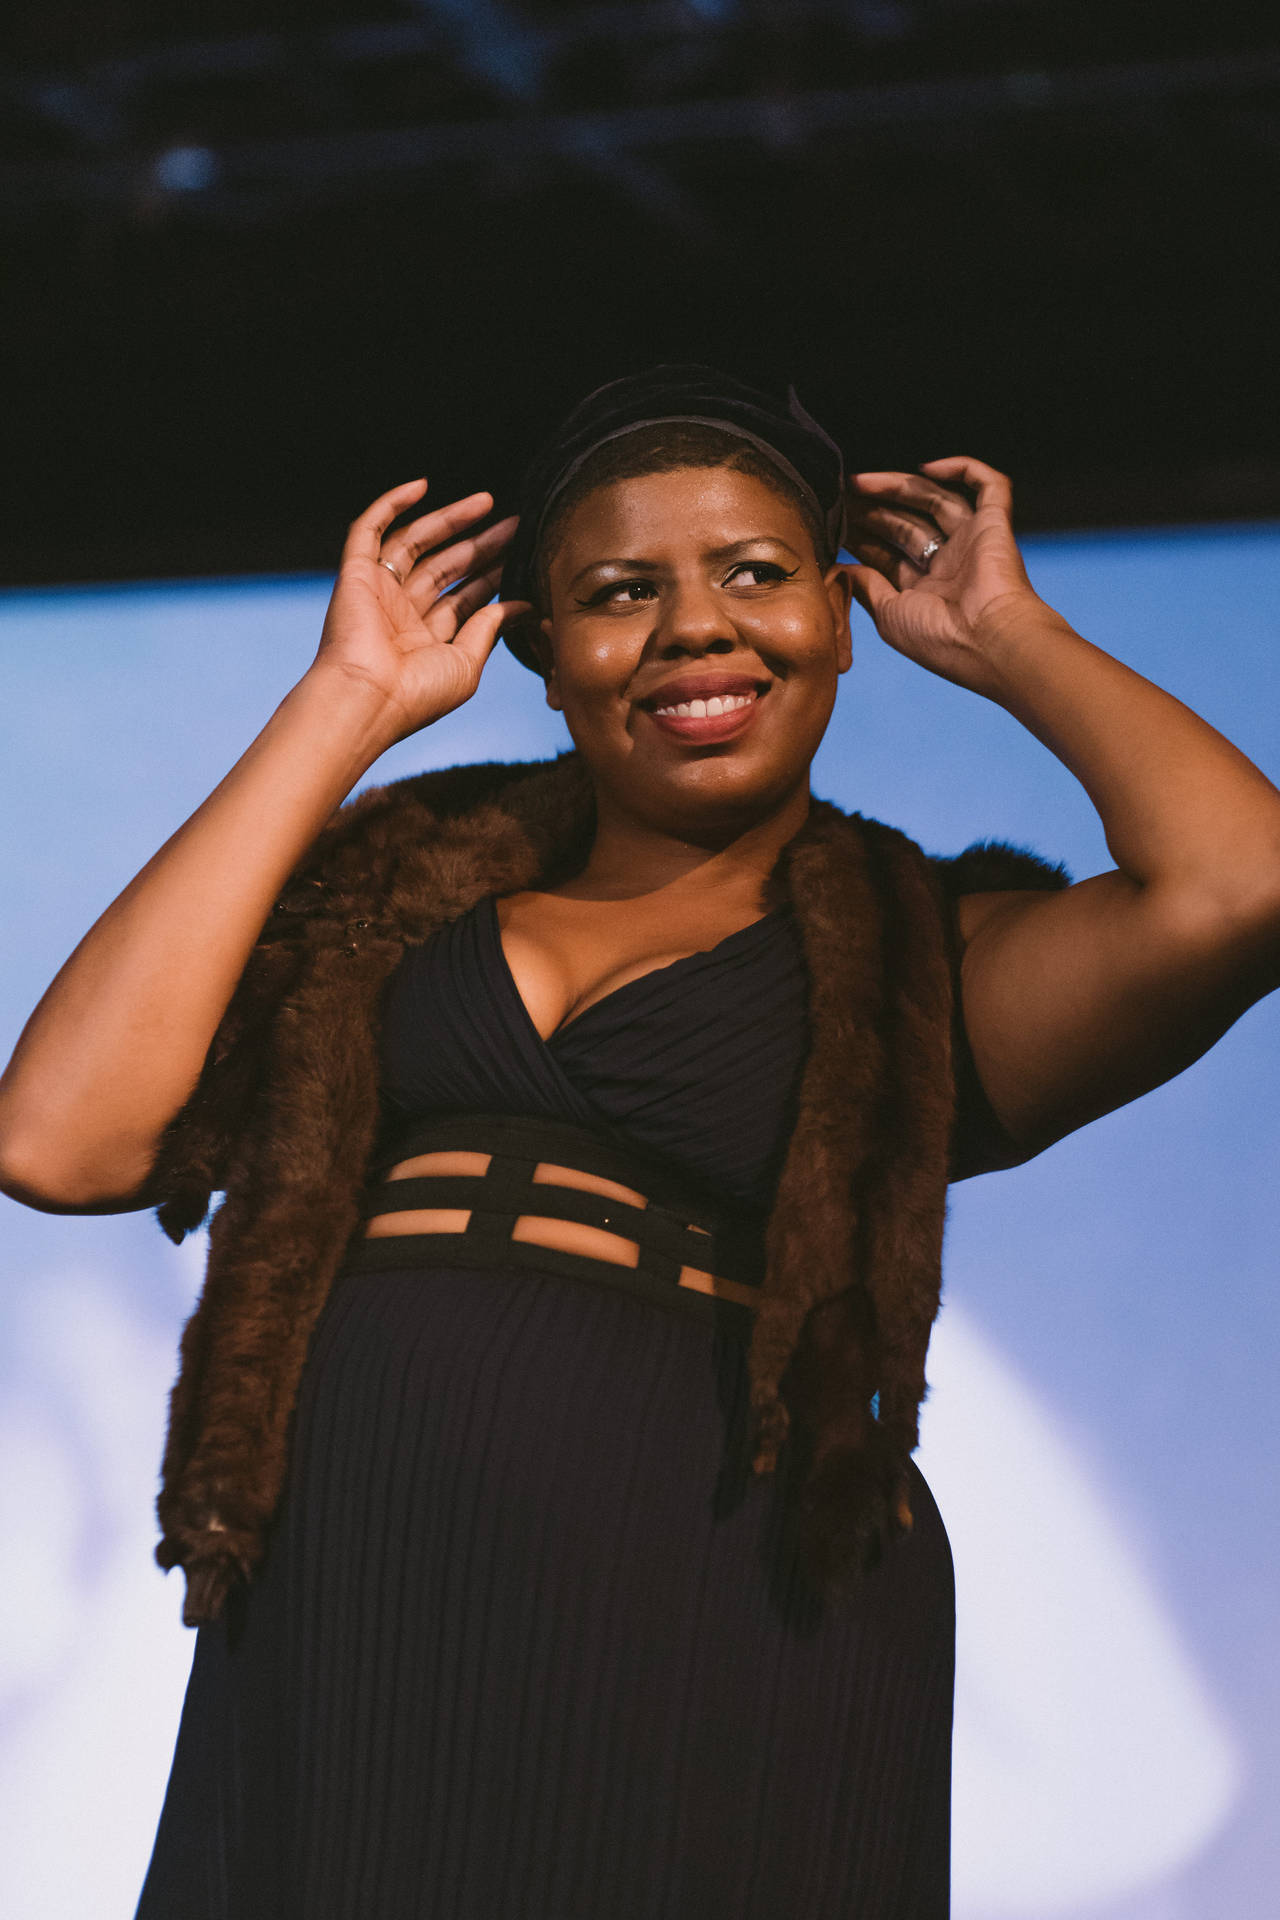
{"type": "Point", "coordinates": [799, 648]}
{"type": "Point", "coordinates": [798, 622]}
{"type": "Point", "coordinates": [595, 713]}
{"type": "Point", "coordinates": [595, 670]}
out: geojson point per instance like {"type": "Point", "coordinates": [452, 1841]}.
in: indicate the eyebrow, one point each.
{"type": "Point", "coordinates": [712, 553]}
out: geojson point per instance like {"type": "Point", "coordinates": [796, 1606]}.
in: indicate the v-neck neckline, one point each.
{"type": "Point", "coordinates": [490, 903]}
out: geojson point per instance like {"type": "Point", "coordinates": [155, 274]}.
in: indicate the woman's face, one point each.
{"type": "Point", "coordinates": [675, 590]}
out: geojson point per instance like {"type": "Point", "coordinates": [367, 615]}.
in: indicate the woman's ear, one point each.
{"type": "Point", "coordinates": [838, 581]}
{"type": "Point", "coordinates": [547, 661]}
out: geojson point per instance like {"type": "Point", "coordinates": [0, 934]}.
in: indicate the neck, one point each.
{"type": "Point", "coordinates": [630, 857]}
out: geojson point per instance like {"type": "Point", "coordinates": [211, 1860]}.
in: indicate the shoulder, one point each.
{"type": "Point", "coordinates": [988, 868]}
{"type": "Point", "coordinates": [479, 805]}
{"type": "Point", "coordinates": [450, 793]}
{"type": "Point", "coordinates": [984, 868]}
{"type": "Point", "coordinates": [986, 881]}
{"type": "Point", "coordinates": [989, 878]}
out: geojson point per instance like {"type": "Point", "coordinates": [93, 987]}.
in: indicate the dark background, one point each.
{"type": "Point", "coordinates": [264, 260]}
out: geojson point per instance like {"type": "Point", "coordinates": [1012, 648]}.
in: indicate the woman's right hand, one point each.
{"type": "Point", "coordinates": [393, 626]}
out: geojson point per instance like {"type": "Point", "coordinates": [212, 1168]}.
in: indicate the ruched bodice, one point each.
{"type": "Point", "coordinates": [697, 1062]}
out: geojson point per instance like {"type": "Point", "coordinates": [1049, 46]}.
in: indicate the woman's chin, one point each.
{"type": "Point", "coordinates": [717, 792]}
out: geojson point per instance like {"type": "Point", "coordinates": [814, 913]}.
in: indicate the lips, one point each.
{"type": "Point", "coordinates": [681, 712]}
{"type": "Point", "coordinates": [682, 688]}
{"type": "Point", "coordinates": [678, 706]}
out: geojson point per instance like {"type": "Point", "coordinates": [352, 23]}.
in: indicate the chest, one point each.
{"type": "Point", "coordinates": [566, 955]}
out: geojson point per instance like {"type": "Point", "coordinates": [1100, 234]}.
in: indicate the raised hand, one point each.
{"type": "Point", "coordinates": [410, 614]}
{"type": "Point", "coordinates": [939, 561]}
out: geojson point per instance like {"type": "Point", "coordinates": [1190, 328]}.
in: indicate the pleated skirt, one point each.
{"type": "Point", "coordinates": [531, 1643]}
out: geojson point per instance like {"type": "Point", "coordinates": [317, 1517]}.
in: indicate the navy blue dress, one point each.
{"type": "Point", "coordinates": [529, 1642]}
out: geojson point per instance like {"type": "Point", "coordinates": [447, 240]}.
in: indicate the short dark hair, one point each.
{"type": "Point", "coordinates": [664, 446]}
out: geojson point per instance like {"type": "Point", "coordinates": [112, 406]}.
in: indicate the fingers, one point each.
{"type": "Point", "coordinates": [453, 612]}
{"type": "Point", "coordinates": [941, 509]}
{"type": "Point", "coordinates": [450, 611]}
{"type": "Point", "coordinates": [896, 517]}
{"type": "Point", "coordinates": [993, 488]}
{"type": "Point", "coordinates": [479, 635]}
{"type": "Point", "coordinates": [427, 577]}
{"type": "Point", "coordinates": [897, 568]}
{"type": "Point", "coordinates": [886, 538]}
{"type": "Point", "coordinates": [871, 590]}
{"type": "Point", "coordinates": [364, 536]}
{"type": "Point", "coordinates": [368, 537]}
{"type": "Point", "coordinates": [434, 532]}
{"type": "Point", "coordinates": [948, 490]}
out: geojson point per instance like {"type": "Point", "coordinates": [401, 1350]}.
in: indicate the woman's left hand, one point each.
{"type": "Point", "coordinates": [940, 564]}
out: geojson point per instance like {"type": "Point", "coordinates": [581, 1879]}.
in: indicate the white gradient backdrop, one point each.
{"type": "Point", "coordinates": [1102, 1433]}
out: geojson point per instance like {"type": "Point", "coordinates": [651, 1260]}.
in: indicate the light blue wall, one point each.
{"type": "Point", "coordinates": [1102, 1435]}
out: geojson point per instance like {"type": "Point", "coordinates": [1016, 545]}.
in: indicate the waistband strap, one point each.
{"type": "Point", "coordinates": [682, 1226]}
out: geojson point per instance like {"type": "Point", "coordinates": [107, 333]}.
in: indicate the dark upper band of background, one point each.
{"type": "Point", "coordinates": [266, 258]}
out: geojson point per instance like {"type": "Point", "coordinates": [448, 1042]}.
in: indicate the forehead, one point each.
{"type": "Point", "coordinates": [688, 509]}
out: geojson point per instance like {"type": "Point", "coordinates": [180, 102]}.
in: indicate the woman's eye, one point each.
{"type": "Point", "coordinates": [632, 592]}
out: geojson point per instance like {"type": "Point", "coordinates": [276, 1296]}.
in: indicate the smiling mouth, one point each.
{"type": "Point", "coordinates": [707, 719]}
{"type": "Point", "coordinates": [701, 709]}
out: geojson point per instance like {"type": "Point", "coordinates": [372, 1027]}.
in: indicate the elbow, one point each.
{"type": "Point", "coordinates": [51, 1182]}
{"type": "Point", "coordinates": [1244, 893]}
{"type": "Point", "coordinates": [26, 1176]}
{"type": "Point", "coordinates": [1236, 928]}
{"type": "Point", "coordinates": [1253, 922]}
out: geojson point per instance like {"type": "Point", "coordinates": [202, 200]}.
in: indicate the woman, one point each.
{"type": "Point", "coordinates": [540, 1461]}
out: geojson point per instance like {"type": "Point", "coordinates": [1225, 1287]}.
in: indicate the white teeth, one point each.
{"type": "Point", "coordinates": [703, 709]}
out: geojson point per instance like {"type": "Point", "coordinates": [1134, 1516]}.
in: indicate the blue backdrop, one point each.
{"type": "Point", "coordinates": [1102, 1433]}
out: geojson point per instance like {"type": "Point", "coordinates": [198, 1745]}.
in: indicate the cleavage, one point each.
{"type": "Point", "coordinates": [570, 963]}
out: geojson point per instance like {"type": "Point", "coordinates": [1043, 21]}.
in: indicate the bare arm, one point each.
{"type": "Point", "coordinates": [1078, 1001]}
{"type": "Point", "coordinates": [116, 1044]}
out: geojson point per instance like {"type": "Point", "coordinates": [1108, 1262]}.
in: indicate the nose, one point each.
{"type": "Point", "coordinates": [693, 617]}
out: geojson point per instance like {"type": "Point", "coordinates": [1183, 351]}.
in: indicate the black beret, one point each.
{"type": "Point", "coordinates": [779, 429]}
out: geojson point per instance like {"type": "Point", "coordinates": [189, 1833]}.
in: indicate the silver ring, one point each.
{"type": "Point", "coordinates": [395, 571]}
{"type": "Point", "coordinates": [931, 547]}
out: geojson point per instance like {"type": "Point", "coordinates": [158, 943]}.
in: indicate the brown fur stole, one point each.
{"type": "Point", "coordinates": [285, 1116]}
